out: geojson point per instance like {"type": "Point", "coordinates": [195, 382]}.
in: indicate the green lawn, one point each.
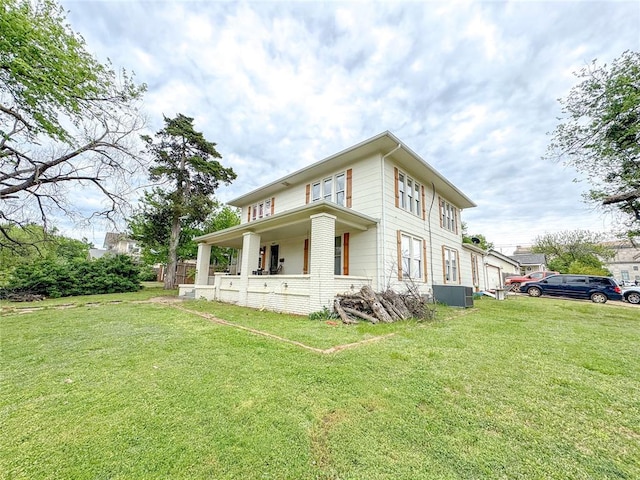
{"type": "Point", "coordinates": [112, 387]}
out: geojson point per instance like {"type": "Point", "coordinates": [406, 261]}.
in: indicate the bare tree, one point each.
{"type": "Point", "coordinates": [67, 123]}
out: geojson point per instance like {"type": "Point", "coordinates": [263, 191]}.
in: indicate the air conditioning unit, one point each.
{"type": "Point", "coordinates": [454, 295]}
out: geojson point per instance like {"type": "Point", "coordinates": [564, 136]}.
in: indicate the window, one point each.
{"type": "Point", "coordinates": [408, 193]}
{"type": "Point", "coordinates": [475, 270]}
{"type": "Point", "coordinates": [577, 280]}
{"type": "Point", "coordinates": [600, 281]}
{"type": "Point", "coordinates": [450, 263]}
{"type": "Point", "coordinates": [336, 188]}
{"type": "Point", "coordinates": [556, 280]}
{"type": "Point", "coordinates": [410, 257]}
{"type": "Point", "coordinates": [340, 255]}
{"type": "Point", "coordinates": [261, 209]}
{"type": "Point", "coordinates": [448, 216]}
{"type": "Point", "coordinates": [326, 189]}
{"type": "Point", "coordinates": [337, 256]}
{"type": "Point", "coordinates": [625, 275]}
{"type": "Point", "coordinates": [340, 186]}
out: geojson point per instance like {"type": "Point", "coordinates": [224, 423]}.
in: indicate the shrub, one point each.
{"type": "Point", "coordinates": [324, 314]}
{"type": "Point", "coordinates": [55, 278]}
{"type": "Point", "coordinates": [148, 274]}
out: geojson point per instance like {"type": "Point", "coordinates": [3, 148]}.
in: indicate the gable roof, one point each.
{"type": "Point", "coordinates": [474, 248]}
{"type": "Point", "coordinates": [112, 238]}
{"type": "Point", "coordinates": [504, 258]}
{"type": "Point", "coordinates": [530, 258]}
{"type": "Point", "coordinates": [383, 143]}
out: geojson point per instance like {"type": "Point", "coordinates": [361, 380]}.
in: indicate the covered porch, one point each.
{"type": "Point", "coordinates": [295, 262]}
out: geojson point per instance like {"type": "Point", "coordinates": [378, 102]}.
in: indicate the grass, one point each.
{"type": "Point", "coordinates": [525, 388]}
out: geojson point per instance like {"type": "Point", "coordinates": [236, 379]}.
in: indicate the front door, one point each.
{"type": "Point", "coordinates": [273, 259]}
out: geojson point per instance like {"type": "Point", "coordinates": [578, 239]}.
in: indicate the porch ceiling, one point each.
{"type": "Point", "coordinates": [292, 223]}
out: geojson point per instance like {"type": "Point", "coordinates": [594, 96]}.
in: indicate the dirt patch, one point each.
{"type": "Point", "coordinates": [320, 441]}
{"type": "Point", "coordinates": [162, 300]}
{"type": "Point", "coordinates": [334, 349]}
{"type": "Point", "coordinates": [63, 306]}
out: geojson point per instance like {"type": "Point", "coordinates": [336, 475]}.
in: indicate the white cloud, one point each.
{"type": "Point", "coordinates": [471, 86]}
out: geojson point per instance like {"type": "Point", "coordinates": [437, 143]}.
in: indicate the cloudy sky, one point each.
{"type": "Point", "coordinates": [470, 86]}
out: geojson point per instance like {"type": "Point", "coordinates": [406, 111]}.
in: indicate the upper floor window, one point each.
{"type": "Point", "coordinates": [408, 193]}
{"type": "Point", "coordinates": [336, 189]}
{"type": "Point", "coordinates": [261, 209]}
{"type": "Point", "coordinates": [326, 189]}
{"type": "Point", "coordinates": [340, 188]}
{"type": "Point", "coordinates": [448, 216]}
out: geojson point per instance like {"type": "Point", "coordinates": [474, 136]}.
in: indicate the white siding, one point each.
{"type": "Point", "coordinates": [374, 253]}
{"type": "Point", "coordinates": [428, 229]}
{"type": "Point", "coordinates": [366, 191]}
{"type": "Point", "coordinates": [362, 253]}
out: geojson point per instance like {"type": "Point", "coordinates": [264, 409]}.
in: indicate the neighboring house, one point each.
{"type": "Point", "coordinates": [488, 269]}
{"type": "Point", "coordinates": [374, 214]}
{"type": "Point", "coordinates": [119, 243]}
{"type": "Point", "coordinates": [625, 265]}
{"type": "Point", "coordinates": [97, 252]}
{"type": "Point", "coordinates": [529, 262]}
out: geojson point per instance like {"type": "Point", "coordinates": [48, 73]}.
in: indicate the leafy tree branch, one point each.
{"type": "Point", "coordinates": [68, 124]}
{"type": "Point", "coordinates": [599, 134]}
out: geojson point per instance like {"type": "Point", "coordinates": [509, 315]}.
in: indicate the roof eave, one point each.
{"type": "Point", "coordinates": [387, 141]}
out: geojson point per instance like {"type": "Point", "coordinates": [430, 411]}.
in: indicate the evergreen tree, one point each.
{"type": "Point", "coordinates": [188, 173]}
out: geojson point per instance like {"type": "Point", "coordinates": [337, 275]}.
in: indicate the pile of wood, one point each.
{"type": "Point", "coordinates": [21, 296]}
{"type": "Point", "coordinates": [385, 307]}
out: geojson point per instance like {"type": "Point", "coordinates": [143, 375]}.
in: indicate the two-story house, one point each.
{"type": "Point", "coordinates": [374, 214]}
{"type": "Point", "coordinates": [625, 264]}
{"type": "Point", "coordinates": [117, 244]}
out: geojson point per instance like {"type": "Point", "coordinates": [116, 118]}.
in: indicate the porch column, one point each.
{"type": "Point", "coordinates": [202, 264]}
{"type": "Point", "coordinates": [248, 263]}
{"type": "Point", "coordinates": [321, 261]}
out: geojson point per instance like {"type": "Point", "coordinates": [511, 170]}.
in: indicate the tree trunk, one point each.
{"type": "Point", "coordinates": [398, 303]}
{"type": "Point", "coordinates": [172, 261]}
{"type": "Point", "coordinates": [360, 314]}
{"type": "Point", "coordinates": [370, 296]}
{"type": "Point", "coordinates": [390, 308]}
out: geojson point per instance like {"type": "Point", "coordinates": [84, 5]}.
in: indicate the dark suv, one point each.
{"type": "Point", "coordinates": [598, 289]}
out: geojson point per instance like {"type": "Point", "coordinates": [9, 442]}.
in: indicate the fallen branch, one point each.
{"type": "Point", "coordinates": [360, 314]}
{"type": "Point", "coordinates": [343, 315]}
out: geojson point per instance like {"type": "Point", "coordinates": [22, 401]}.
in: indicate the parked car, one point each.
{"type": "Point", "coordinates": [598, 289]}
{"type": "Point", "coordinates": [517, 280]}
{"type": "Point", "coordinates": [631, 295]}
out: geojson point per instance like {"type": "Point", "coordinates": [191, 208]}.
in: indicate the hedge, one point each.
{"type": "Point", "coordinates": [55, 278]}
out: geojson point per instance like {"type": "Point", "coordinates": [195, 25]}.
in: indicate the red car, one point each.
{"type": "Point", "coordinates": [516, 281]}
